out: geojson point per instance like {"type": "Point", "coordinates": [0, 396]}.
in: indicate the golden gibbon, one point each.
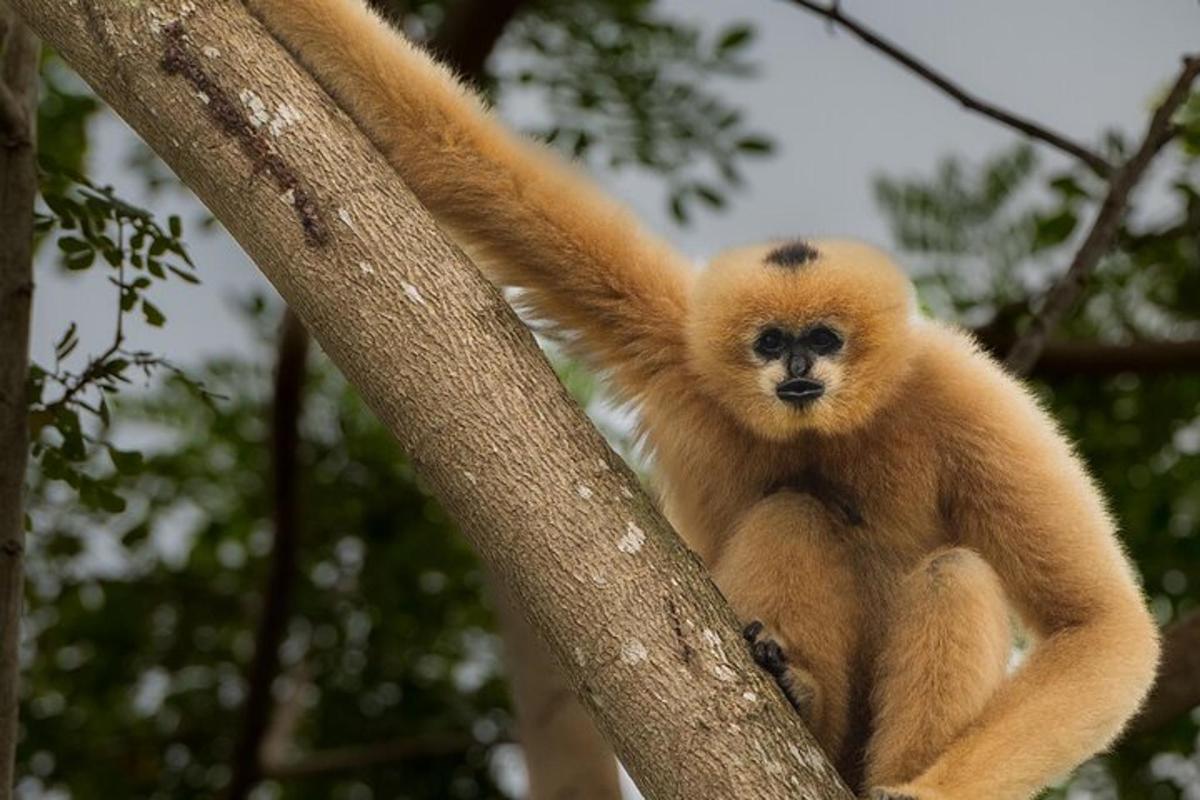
{"type": "Point", "coordinates": [873, 494]}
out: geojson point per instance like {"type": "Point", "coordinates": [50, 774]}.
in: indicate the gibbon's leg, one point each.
{"type": "Point", "coordinates": [783, 572]}
{"type": "Point", "coordinates": [527, 218]}
{"type": "Point", "coordinates": [942, 656]}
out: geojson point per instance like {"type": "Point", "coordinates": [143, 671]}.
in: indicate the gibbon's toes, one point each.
{"type": "Point", "coordinates": [752, 631]}
{"type": "Point", "coordinates": [890, 794]}
{"type": "Point", "coordinates": [799, 689]}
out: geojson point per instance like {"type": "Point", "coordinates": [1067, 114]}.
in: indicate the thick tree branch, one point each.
{"type": "Point", "coordinates": [277, 593]}
{"type": "Point", "coordinates": [470, 32]}
{"type": "Point", "coordinates": [1097, 359]}
{"type": "Point", "coordinates": [644, 637]}
{"type": "Point", "coordinates": [1025, 125]}
{"type": "Point", "coordinates": [1177, 690]}
{"type": "Point", "coordinates": [564, 754]}
{"type": "Point", "coordinates": [1063, 295]}
{"type": "Point", "coordinates": [18, 189]}
{"type": "Point", "coordinates": [354, 759]}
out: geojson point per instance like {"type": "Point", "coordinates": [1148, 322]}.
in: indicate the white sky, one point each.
{"type": "Point", "coordinates": [840, 113]}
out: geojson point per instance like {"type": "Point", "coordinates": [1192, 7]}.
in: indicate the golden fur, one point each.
{"type": "Point", "coordinates": [883, 533]}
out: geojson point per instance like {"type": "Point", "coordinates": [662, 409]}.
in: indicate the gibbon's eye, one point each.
{"type": "Point", "coordinates": [823, 340]}
{"type": "Point", "coordinates": [770, 342]}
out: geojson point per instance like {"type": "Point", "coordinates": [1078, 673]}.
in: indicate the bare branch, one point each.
{"type": "Point", "coordinates": [1177, 689]}
{"type": "Point", "coordinates": [1100, 359]}
{"type": "Point", "coordinates": [348, 759]}
{"type": "Point", "coordinates": [834, 14]}
{"type": "Point", "coordinates": [1066, 291]}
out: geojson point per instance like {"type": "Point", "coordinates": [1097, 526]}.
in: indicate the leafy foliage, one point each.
{"type": "Point", "coordinates": [141, 626]}
{"type": "Point", "coordinates": [89, 225]}
{"type": "Point", "coordinates": [627, 87]}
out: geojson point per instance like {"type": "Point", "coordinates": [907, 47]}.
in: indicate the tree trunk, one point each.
{"type": "Point", "coordinates": [644, 638]}
{"type": "Point", "coordinates": [18, 188]}
{"type": "Point", "coordinates": [288, 403]}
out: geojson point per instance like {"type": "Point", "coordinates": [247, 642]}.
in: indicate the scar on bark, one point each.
{"type": "Point", "coordinates": [685, 649]}
{"type": "Point", "coordinates": [179, 60]}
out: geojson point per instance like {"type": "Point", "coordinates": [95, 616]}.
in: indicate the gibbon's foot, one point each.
{"type": "Point", "coordinates": [891, 794]}
{"type": "Point", "coordinates": [798, 686]}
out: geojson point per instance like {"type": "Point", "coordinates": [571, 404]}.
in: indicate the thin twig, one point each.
{"type": "Point", "coordinates": [835, 16]}
{"type": "Point", "coordinates": [1066, 291]}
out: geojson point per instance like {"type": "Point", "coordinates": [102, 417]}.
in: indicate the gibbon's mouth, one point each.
{"type": "Point", "coordinates": [799, 391]}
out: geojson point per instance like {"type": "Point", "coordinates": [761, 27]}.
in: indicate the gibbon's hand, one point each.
{"type": "Point", "coordinates": [799, 687]}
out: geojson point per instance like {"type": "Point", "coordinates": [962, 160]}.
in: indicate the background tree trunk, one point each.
{"type": "Point", "coordinates": [565, 756]}
{"type": "Point", "coordinates": [644, 637]}
{"type": "Point", "coordinates": [18, 189]}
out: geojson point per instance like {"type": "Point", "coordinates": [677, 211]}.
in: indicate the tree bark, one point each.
{"type": "Point", "coordinates": [643, 636]}
{"type": "Point", "coordinates": [18, 189]}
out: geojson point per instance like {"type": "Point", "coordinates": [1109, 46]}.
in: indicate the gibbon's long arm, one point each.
{"type": "Point", "coordinates": [1020, 498]}
{"type": "Point", "coordinates": [529, 220]}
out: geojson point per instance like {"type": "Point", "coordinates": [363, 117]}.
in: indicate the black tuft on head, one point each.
{"type": "Point", "coordinates": [793, 254]}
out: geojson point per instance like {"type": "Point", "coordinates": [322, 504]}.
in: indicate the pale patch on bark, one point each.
{"type": "Point", "coordinates": [631, 543]}
{"type": "Point", "coordinates": [411, 292]}
{"type": "Point", "coordinates": [634, 652]}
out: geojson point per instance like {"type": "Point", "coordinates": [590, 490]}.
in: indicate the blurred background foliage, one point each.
{"type": "Point", "coordinates": [147, 561]}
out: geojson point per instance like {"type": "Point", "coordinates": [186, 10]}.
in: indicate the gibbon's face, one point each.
{"type": "Point", "coordinates": [802, 335]}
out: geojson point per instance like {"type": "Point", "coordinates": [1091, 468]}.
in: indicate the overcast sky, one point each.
{"type": "Point", "coordinates": [840, 114]}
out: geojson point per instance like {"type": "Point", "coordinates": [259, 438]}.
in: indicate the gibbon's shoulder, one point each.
{"type": "Point", "coordinates": [973, 399]}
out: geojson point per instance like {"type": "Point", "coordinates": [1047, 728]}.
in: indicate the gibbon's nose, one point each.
{"type": "Point", "coordinates": [798, 364]}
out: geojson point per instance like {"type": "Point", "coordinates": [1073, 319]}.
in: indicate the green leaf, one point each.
{"type": "Point", "coordinates": [709, 195]}
{"type": "Point", "coordinates": [735, 37]}
{"type": "Point", "coordinates": [69, 244]}
{"type": "Point", "coordinates": [187, 276]}
{"type": "Point", "coordinates": [81, 260]}
{"type": "Point", "coordinates": [127, 462]}
{"type": "Point", "coordinates": [758, 145]}
{"type": "Point", "coordinates": [154, 316]}
{"type": "Point", "coordinates": [64, 346]}
{"type": "Point", "coordinates": [176, 225]}
{"type": "Point", "coordinates": [1054, 229]}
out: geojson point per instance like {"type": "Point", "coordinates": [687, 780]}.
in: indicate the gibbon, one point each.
{"type": "Point", "coordinates": [871, 493]}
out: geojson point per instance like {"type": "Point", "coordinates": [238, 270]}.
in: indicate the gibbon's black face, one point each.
{"type": "Point", "coordinates": [798, 352]}
{"type": "Point", "coordinates": [801, 336]}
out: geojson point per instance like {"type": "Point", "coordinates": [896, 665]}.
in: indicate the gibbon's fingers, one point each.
{"type": "Point", "coordinates": [530, 220]}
